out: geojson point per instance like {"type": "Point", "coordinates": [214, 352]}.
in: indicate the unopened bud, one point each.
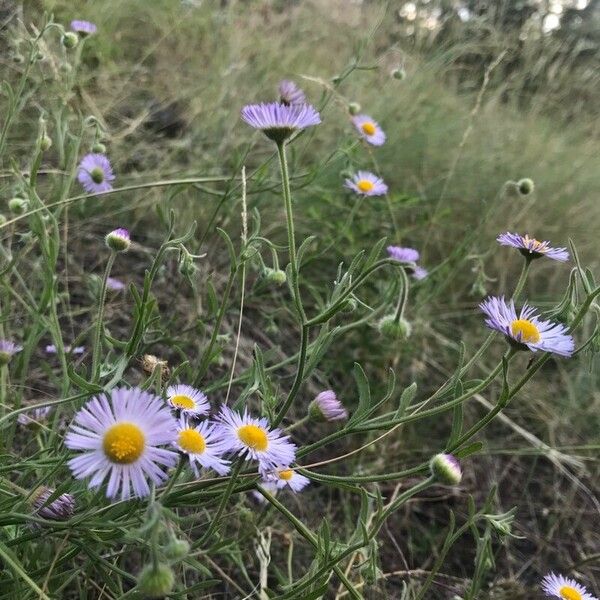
{"type": "Point", "coordinates": [526, 186]}
{"type": "Point", "coordinates": [70, 39]}
{"type": "Point", "coordinates": [393, 329]}
{"type": "Point", "coordinates": [118, 240]}
{"type": "Point", "coordinates": [446, 469]}
{"type": "Point", "coordinates": [17, 206]}
{"type": "Point", "coordinates": [99, 148]}
{"type": "Point", "coordinates": [177, 549]}
{"type": "Point", "coordinates": [276, 276]}
{"type": "Point", "coordinates": [156, 582]}
{"type": "Point", "coordinates": [399, 73]}
{"type": "Point", "coordinates": [354, 108]}
{"type": "Point", "coordinates": [45, 143]}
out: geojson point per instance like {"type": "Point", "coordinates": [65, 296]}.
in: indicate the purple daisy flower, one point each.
{"type": "Point", "coordinates": [279, 121]}
{"type": "Point", "coordinates": [59, 509]}
{"type": "Point", "coordinates": [254, 439]}
{"type": "Point", "coordinates": [121, 435]}
{"type": "Point", "coordinates": [7, 350]}
{"type": "Point", "coordinates": [95, 173]}
{"type": "Point", "coordinates": [327, 407]}
{"type": "Point", "coordinates": [532, 248]}
{"type": "Point", "coordinates": [83, 27]}
{"type": "Point", "coordinates": [419, 273]}
{"type": "Point", "coordinates": [115, 285]}
{"type": "Point", "coordinates": [51, 349]}
{"type": "Point", "coordinates": [284, 476]}
{"type": "Point", "coordinates": [527, 330]}
{"type": "Point", "coordinates": [34, 417]}
{"type": "Point", "coordinates": [403, 255]}
{"type": "Point", "coordinates": [290, 93]}
{"type": "Point", "coordinates": [564, 588]}
{"type": "Point", "coordinates": [367, 184]}
{"type": "Point", "coordinates": [369, 129]}
{"type": "Point", "coordinates": [188, 400]}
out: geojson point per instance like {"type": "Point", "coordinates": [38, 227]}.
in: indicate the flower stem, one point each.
{"type": "Point", "coordinates": [97, 347]}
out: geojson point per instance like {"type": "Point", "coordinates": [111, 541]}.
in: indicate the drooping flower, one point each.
{"type": "Point", "coordinates": [34, 417]}
{"type": "Point", "coordinates": [367, 184]}
{"type": "Point", "coordinates": [59, 509]}
{"type": "Point", "coordinates": [527, 330]}
{"type": "Point", "coordinates": [83, 27]}
{"type": "Point", "coordinates": [532, 248]}
{"type": "Point", "coordinates": [446, 469]}
{"type": "Point", "coordinates": [419, 273]}
{"type": "Point", "coordinates": [120, 435]}
{"type": "Point", "coordinates": [188, 400]}
{"type": "Point", "coordinates": [95, 173]}
{"type": "Point", "coordinates": [254, 439]}
{"type": "Point", "coordinates": [118, 240]}
{"type": "Point", "coordinates": [150, 363]}
{"type": "Point", "coordinates": [279, 121]}
{"type": "Point", "coordinates": [284, 476]}
{"type": "Point", "coordinates": [51, 349]}
{"type": "Point", "coordinates": [369, 129]}
{"type": "Point", "coordinates": [565, 588]}
{"type": "Point", "coordinates": [290, 94]}
{"type": "Point", "coordinates": [7, 350]}
{"type": "Point", "coordinates": [327, 407]}
{"type": "Point", "coordinates": [114, 285]}
{"type": "Point", "coordinates": [202, 445]}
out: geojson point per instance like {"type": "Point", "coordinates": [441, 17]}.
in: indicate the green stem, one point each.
{"type": "Point", "coordinates": [298, 423]}
{"type": "Point", "coordinates": [522, 279]}
{"type": "Point", "coordinates": [403, 296]}
{"type": "Point", "coordinates": [97, 347]}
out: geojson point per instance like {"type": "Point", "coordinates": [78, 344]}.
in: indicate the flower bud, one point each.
{"type": "Point", "coordinates": [445, 468]}
{"type": "Point", "coordinates": [390, 328]}
{"type": "Point", "coordinates": [177, 549]}
{"type": "Point", "coordinates": [7, 350]}
{"type": "Point", "coordinates": [327, 407]}
{"type": "Point", "coordinates": [525, 186]}
{"type": "Point", "coordinates": [45, 143]}
{"type": "Point", "coordinates": [354, 108]}
{"type": "Point", "coordinates": [99, 148]}
{"type": "Point", "coordinates": [118, 240]}
{"type": "Point", "coordinates": [59, 509]}
{"type": "Point", "coordinates": [156, 582]}
{"type": "Point", "coordinates": [399, 73]}
{"type": "Point", "coordinates": [70, 40]}
{"type": "Point", "coordinates": [17, 206]}
{"type": "Point", "coordinates": [276, 276]}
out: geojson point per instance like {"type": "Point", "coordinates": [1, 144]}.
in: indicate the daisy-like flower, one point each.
{"type": "Point", "coordinates": [279, 121]}
{"type": "Point", "coordinates": [51, 349]}
{"type": "Point", "coordinates": [7, 350]}
{"type": "Point", "coordinates": [284, 476]}
{"type": "Point", "coordinates": [367, 184]}
{"type": "Point", "coordinates": [327, 407]}
{"type": "Point", "coordinates": [95, 173]}
{"type": "Point", "coordinates": [526, 331]}
{"type": "Point", "coordinates": [34, 417]}
{"type": "Point", "coordinates": [114, 285]}
{"type": "Point", "coordinates": [419, 273]}
{"type": "Point", "coordinates": [559, 586]}
{"type": "Point", "coordinates": [202, 446]}
{"type": "Point", "coordinates": [83, 27]}
{"type": "Point", "coordinates": [120, 436]}
{"type": "Point", "coordinates": [59, 509]}
{"type": "Point", "coordinates": [369, 129]}
{"type": "Point", "coordinates": [188, 400]}
{"type": "Point", "coordinates": [254, 438]}
{"type": "Point", "coordinates": [290, 93]}
{"type": "Point", "coordinates": [532, 248]}
{"type": "Point", "coordinates": [403, 255]}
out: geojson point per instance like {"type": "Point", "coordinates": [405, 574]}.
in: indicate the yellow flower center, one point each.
{"type": "Point", "coordinates": [123, 443]}
{"type": "Point", "coordinates": [254, 437]}
{"type": "Point", "coordinates": [368, 128]}
{"type": "Point", "coordinates": [534, 245]}
{"type": "Point", "coordinates": [525, 331]}
{"type": "Point", "coordinates": [364, 185]}
{"type": "Point", "coordinates": [192, 441]}
{"type": "Point", "coordinates": [182, 401]}
{"type": "Point", "coordinates": [569, 593]}
{"type": "Point", "coordinates": [286, 474]}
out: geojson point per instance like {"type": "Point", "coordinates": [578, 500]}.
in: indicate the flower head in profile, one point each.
{"type": "Point", "coordinates": [279, 121]}
{"type": "Point", "coordinates": [61, 508]}
{"type": "Point", "coordinates": [327, 407]}
{"type": "Point", "coordinates": [7, 350]}
{"type": "Point", "coordinates": [564, 588]}
{"type": "Point", "coordinates": [202, 445]}
{"type": "Point", "coordinates": [284, 476]}
{"type": "Point", "coordinates": [83, 27]}
{"type": "Point", "coordinates": [95, 173]}
{"type": "Point", "coordinates": [445, 468]}
{"type": "Point", "coordinates": [254, 438]}
{"type": "Point", "coordinates": [369, 129]}
{"type": "Point", "coordinates": [419, 273]}
{"type": "Point", "coordinates": [34, 417]}
{"type": "Point", "coordinates": [118, 240]}
{"type": "Point", "coordinates": [188, 400]}
{"type": "Point", "coordinates": [532, 248]}
{"type": "Point", "coordinates": [366, 184]}
{"type": "Point", "coordinates": [51, 349]}
{"type": "Point", "coordinates": [526, 331]}
{"type": "Point", "coordinates": [120, 436]}
{"type": "Point", "coordinates": [290, 94]}
{"type": "Point", "coordinates": [403, 255]}
{"type": "Point", "coordinates": [114, 285]}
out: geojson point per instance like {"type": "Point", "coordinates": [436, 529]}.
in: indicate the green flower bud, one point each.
{"type": "Point", "coordinates": [118, 240]}
{"type": "Point", "coordinates": [390, 328]}
{"type": "Point", "coordinates": [276, 276]}
{"type": "Point", "coordinates": [156, 582]}
{"type": "Point", "coordinates": [354, 108]}
{"type": "Point", "coordinates": [177, 549]}
{"type": "Point", "coordinates": [446, 469]}
{"type": "Point", "coordinates": [399, 73]}
{"type": "Point", "coordinates": [17, 206]}
{"type": "Point", "coordinates": [45, 143]}
{"type": "Point", "coordinates": [99, 148]}
{"type": "Point", "coordinates": [70, 39]}
{"type": "Point", "coordinates": [525, 186]}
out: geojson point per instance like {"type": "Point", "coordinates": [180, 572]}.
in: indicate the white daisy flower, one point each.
{"type": "Point", "coordinates": [559, 586]}
{"type": "Point", "coordinates": [284, 476]}
{"type": "Point", "coordinates": [188, 400]}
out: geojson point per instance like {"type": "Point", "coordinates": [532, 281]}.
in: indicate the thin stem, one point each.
{"type": "Point", "coordinates": [97, 347]}
{"type": "Point", "coordinates": [403, 296]}
{"type": "Point", "coordinates": [522, 279]}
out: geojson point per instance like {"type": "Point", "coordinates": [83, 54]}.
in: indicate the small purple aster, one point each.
{"type": "Point", "coordinates": [327, 407]}
{"type": "Point", "coordinates": [7, 350]}
{"type": "Point", "coordinates": [115, 285]}
{"type": "Point", "coordinates": [284, 476]}
{"type": "Point", "coordinates": [564, 588]}
{"type": "Point", "coordinates": [290, 94]}
{"type": "Point", "coordinates": [419, 273]}
{"type": "Point", "coordinates": [95, 173]}
{"type": "Point", "coordinates": [369, 129]}
{"type": "Point", "coordinates": [403, 255]}
{"type": "Point", "coordinates": [526, 331]}
{"type": "Point", "coordinates": [532, 248]}
{"type": "Point", "coordinates": [59, 509]}
{"type": "Point", "coordinates": [35, 416]}
{"type": "Point", "coordinates": [118, 240]}
{"type": "Point", "coordinates": [366, 184]}
{"type": "Point", "coordinates": [279, 121]}
{"type": "Point", "coordinates": [51, 349]}
{"type": "Point", "coordinates": [83, 27]}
